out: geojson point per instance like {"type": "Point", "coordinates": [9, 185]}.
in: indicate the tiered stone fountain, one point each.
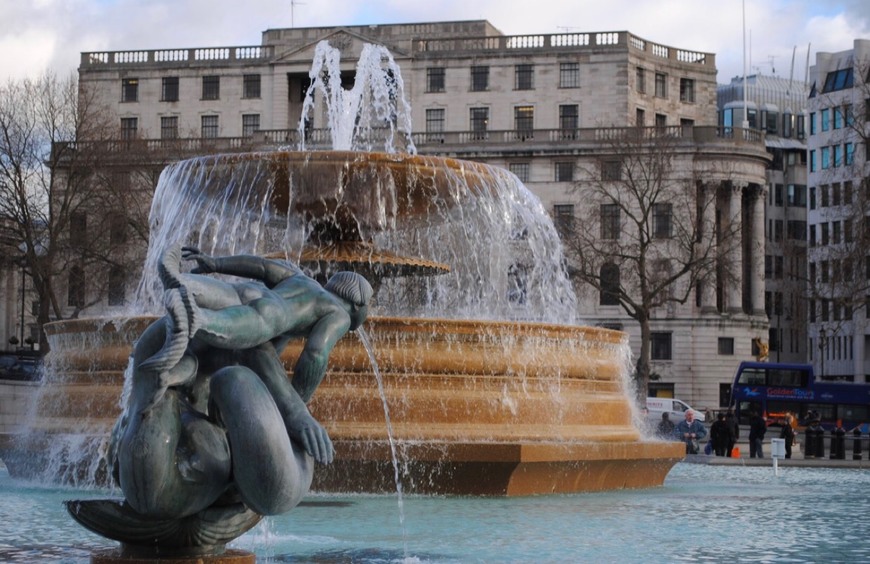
{"type": "Point", "coordinates": [491, 386]}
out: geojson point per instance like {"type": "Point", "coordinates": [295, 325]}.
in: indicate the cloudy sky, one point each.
{"type": "Point", "coordinates": [50, 34]}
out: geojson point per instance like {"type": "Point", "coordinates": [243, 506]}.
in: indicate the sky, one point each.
{"type": "Point", "coordinates": [40, 35]}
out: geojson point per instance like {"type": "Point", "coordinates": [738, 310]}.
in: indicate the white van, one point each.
{"type": "Point", "coordinates": [676, 409]}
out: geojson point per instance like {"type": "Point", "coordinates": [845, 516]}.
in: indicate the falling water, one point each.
{"type": "Point", "coordinates": [367, 344]}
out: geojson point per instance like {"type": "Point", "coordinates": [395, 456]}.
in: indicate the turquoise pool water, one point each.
{"type": "Point", "coordinates": [702, 513]}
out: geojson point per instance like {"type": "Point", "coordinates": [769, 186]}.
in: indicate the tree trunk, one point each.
{"type": "Point", "coordinates": [642, 370]}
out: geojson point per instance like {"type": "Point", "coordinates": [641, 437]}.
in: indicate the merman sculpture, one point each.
{"type": "Point", "coordinates": [214, 435]}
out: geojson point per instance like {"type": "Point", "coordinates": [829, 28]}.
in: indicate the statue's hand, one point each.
{"type": "Point", "coordinates": [205, 263]}
{"type": "Point", "coordinates": [313, 438]}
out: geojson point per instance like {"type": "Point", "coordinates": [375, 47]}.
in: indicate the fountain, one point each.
{"type": "Point", "coordinates": [492, 386]}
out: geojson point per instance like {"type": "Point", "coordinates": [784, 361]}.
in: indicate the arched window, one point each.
{"type": "Point", "coordinates": [609, 277]}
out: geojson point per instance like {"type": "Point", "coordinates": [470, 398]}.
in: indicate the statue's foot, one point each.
{"type": "Point", "coordinates": [206, 532]}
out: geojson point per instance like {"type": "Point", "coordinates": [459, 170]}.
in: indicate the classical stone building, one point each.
{"type": "Point", "coordinates": [542, 106]}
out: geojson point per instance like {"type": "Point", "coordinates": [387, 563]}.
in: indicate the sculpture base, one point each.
{"type": "Point", "coordinates": [116, 556]}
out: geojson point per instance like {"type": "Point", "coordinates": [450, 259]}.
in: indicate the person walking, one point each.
{"type": "Point", "coordinates": [757, 429]}
{"type": "Point", "coordinates": [721, 435]}
{"type": "Point", "coordinates": [665, 429]}
{"type": "Point", "coordinates": [787, 433]}
{"type": "Point", "coordinates": [690, 431]}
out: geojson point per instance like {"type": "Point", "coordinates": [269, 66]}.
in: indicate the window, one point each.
{"type": "Point", "coordinates": [563, 218]}
{"type": "Point", "coordinates": [609, 221]}
{"type": "Point", "coordinates": [211, 87]}
{"type": "Point", "coordinates": [78, 229]}
{"type": "Point", "coordinates": [838, 80]}
{"type": "Point", "coordinates": [838, 118]}
{"type": "Point", "coordinates": [812, 123]}
{"type": "Point", "coordinates": [661, 121]}
{"type": "Point", "coordinates": [435, 79]}
{"type": "Point", "coordinates": [796, 195]}
{"type": "Point", "coordinates": [813, 165]}
{"type": "Point", "coordinates": [210, 127]}
{"type": "Point", "coordinates": [250, 124]}
{"type": "Point", "coordinates": [251, 86]}
{"type": "Point", "coordinates": [117, 282]}
{"type": "Point", "coordinates": [521, 170]}
{"type": "Point", "coordinates": [611, 170]}
{"type": "Point", "coordinates": [661, 85]}
{"type": "Point", "coordinates": [130, 90]}
{"type": "Point", "coordinates": [129, 127]}
{"type": "Point", "coordinates": [524, 77]}
{"type": "Point", "coordinates": [479, 122]}
{"type": "Point", "coordinates": [524, 118]}
{"type": "Point", "coordinates": [838, 156]}
{"type": "Point", "coordinates": [169, 127]}
{"type": "Point", "coordinates": [726, 345]}
{"type": "Point", "coordinates": [662, 221]}
{"type": "Point", "coordinates": [569, 75]}
{"type": "Point", "coordinates": [565, 171]}
{"type": "Point", "coordinates": [825, 116]}
{"type": "Point", "coordinates": [660, 346]}
{"type": "Point", "coordinates": [687, 90]}
{"type": "Point", "coordinates": [826, 157]}
{"type": "Point", "coordinates": [640, 80]}
{"type": "Point", "coordinates": [850, 153]}
{"type": "Point", "coordinates": [435, 120]}
{"type": "Point", "coordinates": [609, 280]}
{"type": "Point", "coordinates": [118, 229]}
{"type": "Point", "coordinates": [479, 78]}
{"type": "Point", "coordinates": [76, 287]}
{"type": "Point", "coordinates": [569, 120]}
{"type": "Point", "coordinates": [169, 92]}
{"type": "Point", "coordinates": [639, 117]}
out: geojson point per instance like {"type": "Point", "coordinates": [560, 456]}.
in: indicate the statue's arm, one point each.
{"type": "Point", "coordinates": [311, 365]}
{"type": "Point", "coordinates": [270, 272]}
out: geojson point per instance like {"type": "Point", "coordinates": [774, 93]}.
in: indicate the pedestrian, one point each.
{"type": "Point", "coordinates": [787, 433]}
{"type": "Point", "coordinates": [757, 429]}
{"type": "Point", "coordinates": [690, 431]}
{"type": "Point", "coordinates": [721, 435]}
{"type": "Point", "coordinates": [735, 430]}
{"type": "Point", "coordinates": [665, 429]}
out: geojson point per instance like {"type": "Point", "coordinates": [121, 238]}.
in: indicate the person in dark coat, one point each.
{"type": "Point", "coordinates": [757, 429]}
{"type": "Point", "coordinates": [787, 433]}
{"type": "Point", "coordinates": [665, 429]}
{"type": "Point", "coordinates": [734, 425]}
{"type": "Point", "coordinates": [721, 435]}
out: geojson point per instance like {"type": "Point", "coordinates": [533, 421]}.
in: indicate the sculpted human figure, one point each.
{"type": "Point", "coordinates": [212, 419]}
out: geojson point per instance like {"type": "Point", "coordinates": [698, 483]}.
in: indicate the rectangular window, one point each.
{"type": "Point", "coordinates": [640, 80]}
{"type": "Point", "coordinates": [251, 86]}
{"type": "Point", "coordinates": [838, 118]}
{"type": "Point", "coordinates": [479, 78]}
{"type": "Point", "coordinates": [521, 170]}
{"type": "Point", "coordinates": [211, 87]}
{"type": "Point", "coordinates": [569, 120]}
{"type": "Point", "coordinates": [169, 127]}
{"type": "Point", "coordinates": [813, 166]}
{"type": "Point", "coordinates": [611, 170]}
{"type": "Point", "coordinates": [609, 221]}
{"type": "Point", "coordinates": [639, 117]}
{"type": "Point", "coordinates": [76, 287]}
{"type": "Point", "coordinates": [250, 124]}
{"type": "Point", "coordinates": [726, 345]}
{"type": "Point", "coordinates": [118, 229]}
{"type": "Point", "coordinates": [117, 283]}
{"type": "Point", "coordinates": [563, 218]}
{"type": "Point", "coordinates": [565, 171]}
{"type": "Point", "coordinates": [479, 122]}
{"type": "Point", "coordinates": [78, 229]}
{"type": "Point", "coordinates": [838, 155]}
{"type": "Point", "coordinates": [129, 127]}
{"type": "Point", "coordinates": [850, 154]}
{"type": "Point", "coordinates": [130, 90]}
{"type": "Point", "coordinates": [435, 120]}
{"type": "Point", "coordinates": [209, 127]}
{"type": "Point", "coordinates": [687, 90]}
{"type": "Point", "coordinates": [569, 75]}
{"type": "Point", "coordinates": [662, 214]}
{"type": "Point", "coordinates": [826, 158]}
{"type": "Point", "coordinates": [812, 123]}
{"type": "Point", "coordinates": [825, 116]}
{"type": "Point", "coordinates": [661, 85]}
{"type": "Point", "coordinates": [524, 118]}
{"type": "Point", "coordinates": [661, 121]}
{"type": "Point", "coordinates": [660, 346]}
{"type": "Point", "coordinates": [524, 77]}
{"type": "Point", "coordinates": [435, 79]}
{"type": "Point", "coordinates": [169, 92]}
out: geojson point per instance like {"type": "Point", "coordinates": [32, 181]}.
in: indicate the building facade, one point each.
{"type": "Point", "coordinates": [838, 250]}
{"type": "Point", "coordinates": [541, 106]}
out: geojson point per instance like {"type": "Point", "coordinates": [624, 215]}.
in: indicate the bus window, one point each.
{"type": "Point", "coordinates": [776, 411]}
{"type": "Point", "coordinates": [752, 377]}
{"type": "Point", "coordinates": [856, 413]}
{"type": "Point", "coordinates": [787, 378]}
{"type": "Point", "coordinates": [826, 411]}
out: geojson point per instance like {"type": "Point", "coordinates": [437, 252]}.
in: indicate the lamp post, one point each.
{"type": "Point", "coordinates": [822, 336]}
{"type": "Point", "coordinates": [22, 301]}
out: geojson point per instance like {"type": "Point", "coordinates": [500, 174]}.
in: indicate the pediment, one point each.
{"type": "Point", "coordinates": [348, 43]}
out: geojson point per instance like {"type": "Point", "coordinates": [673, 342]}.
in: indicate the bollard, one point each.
{"type": "Point", "coordinates": [820, 442]}
{"type": "Point", "coordinates": [809, 443]}
{"type": "Point", "coordinates": [856, 445]}
{"type": "Point", "coordinates": [838, 443]}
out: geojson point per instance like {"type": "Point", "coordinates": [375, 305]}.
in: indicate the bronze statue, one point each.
{"type": "Point", "coordinates": [214, 435]}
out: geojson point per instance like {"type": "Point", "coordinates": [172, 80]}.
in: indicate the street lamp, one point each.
{"type": "Point", "coordinates": [822, 336]}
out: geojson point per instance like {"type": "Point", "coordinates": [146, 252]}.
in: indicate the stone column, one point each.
{"type": "Point", "coordinates": [734, 283]}
{"type": "Point", "coordinates": [707, 192]}
{"type": "Point", "coordinates": [757, 197]}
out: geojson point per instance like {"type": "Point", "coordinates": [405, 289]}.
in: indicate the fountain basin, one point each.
{"type": "Point", "coordinates": [476, 407]}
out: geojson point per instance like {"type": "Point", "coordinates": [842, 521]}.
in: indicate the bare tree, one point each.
{"type": "Point", "coordinates": [66, 216]}
{"type": "Point", "coordinates": [646, 233]}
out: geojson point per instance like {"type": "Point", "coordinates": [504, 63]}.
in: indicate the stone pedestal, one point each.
{"type": "Point", "coordinates": [117, 556]}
